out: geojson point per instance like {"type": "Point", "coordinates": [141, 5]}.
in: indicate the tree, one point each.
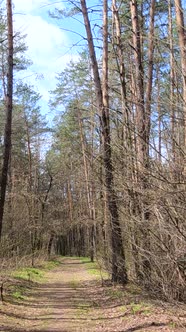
{"type": "Point", "coordinates": [8, 126]}
{"type": "Point", "coordinates": [119, 273]}
{"type": "Point", "coordinates": [182, 44]}
{"type": "Point", "coordinates": [76, 136]}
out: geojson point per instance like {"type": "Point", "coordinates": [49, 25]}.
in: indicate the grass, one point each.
{"type": "Point", "coordinates": [18, 295]}
{"type": "Point", "coordinates": [49, 265]}
{"type": "Point", "coordinates": [115, 293]}
{"type": "Point", "coordinates": [123, 308]}
{"type": "Point", "coordinates": [17, 292]}
{"type": "Point", "coordinates": [35, 274]}
{"type": "Point", "coordinates": [82, 259]}
{"type": "Point", "coordinates": [136, 308]}
{"type": "Point", "coordinates": [172, 325]}
{"type": "Point", "coordinates": [94, 268]}
{"type": "Point", "coordinates": [29, 273]}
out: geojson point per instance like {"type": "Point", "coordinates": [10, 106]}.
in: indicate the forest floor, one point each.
{"type": "Point", "coordinates": [71, 298]}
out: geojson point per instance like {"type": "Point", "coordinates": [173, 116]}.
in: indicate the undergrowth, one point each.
{"type": "Point", "coordinates": [29, 273]}
{"type": "Point", "coordinates": [20, 280]}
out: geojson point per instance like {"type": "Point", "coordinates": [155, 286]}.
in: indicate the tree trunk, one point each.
{"type": "Point", "coordinates": [88, 189]}
{"type": "Point", "coordinates": [8, 125]}
{"type": "Point", "coordinates": [182, 43]}
{"type": "Point", "coordinates": [143, 130]}
{"type": "Point", "coordinates": [119, 273]}
{"type": "Point", "coordinates": [150, 74]}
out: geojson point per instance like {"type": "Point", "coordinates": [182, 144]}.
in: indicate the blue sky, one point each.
{"type": "Point", "coordinates": [49, 46]}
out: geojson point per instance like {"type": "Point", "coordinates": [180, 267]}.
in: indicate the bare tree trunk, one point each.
{"type": "Point", "coordinates": [182, 43]}
{"type": "Point", "coordinates": [88, 190]}
{"type": "Point", "coordinates": [70, 201]}
{"type": "Point", "coordinates": [97, 81]}
{"type": "Point", "coordinates": [150, 74]}
{"type": "Point", "coordinates": [52, 236]}
{"type": "Point", "coordinates": [8, 125]}
{"type": "Point", "coordinates": [159, 156]}
{"type": "Point", "coordinates": [126, 143]}
{"type": "Point", "coordinates": [117, 39]}
{"type": "Point", "coordinates": [140, 108]}
{"type": "Point", "coordinates": [29, 153]}
{"type": "Point", "coordinates": [175, 148]}
{"type": "Point", "coordinates": [142, 131]}
{"type": "Point", "coordinates": [119, 273]}
{"type": "Point", "coordinates": [172, 83]}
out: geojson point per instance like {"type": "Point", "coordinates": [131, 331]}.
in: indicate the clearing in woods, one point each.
{"type": "Point", "coordinates": [72, 299]}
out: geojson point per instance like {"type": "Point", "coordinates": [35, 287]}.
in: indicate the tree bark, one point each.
{"type": "Point", "coordinates": [88, 189]}
{"type": "Point", "coordinates": [182, 43]}
{"type": "Point", "coordinates": [143, 130]}
{"type": "Point", "coordinates": [8, 125]}
{"type": "Point", "coordinates": [150, 74]}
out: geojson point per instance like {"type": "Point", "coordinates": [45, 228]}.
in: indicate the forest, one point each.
{"type": "Point", "coordinates": [111, 185]}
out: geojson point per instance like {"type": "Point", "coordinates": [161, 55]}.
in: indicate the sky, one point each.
{"type": "Point", "coordinates": [49, 46]}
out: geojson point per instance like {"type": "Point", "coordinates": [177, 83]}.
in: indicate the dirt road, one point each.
{"type": "Point", "coordinates": [72, 299]}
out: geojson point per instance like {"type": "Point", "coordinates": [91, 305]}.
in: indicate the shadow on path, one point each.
{"type": "Point", "coordinates": [72, 300]}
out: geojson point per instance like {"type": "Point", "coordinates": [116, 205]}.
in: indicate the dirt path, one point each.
{"type": "Point", "coordinates": [73, 300]}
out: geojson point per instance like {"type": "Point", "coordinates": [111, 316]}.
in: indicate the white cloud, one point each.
{"type": "Point", "coordinates": [47, 44]}
{"type": "Point", "coordinates": [45, 40]}
{"type": "Point", "coordinates": [26, 6]}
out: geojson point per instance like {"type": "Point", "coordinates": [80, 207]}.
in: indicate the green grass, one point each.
{"type": "Point", "coordinates": [17, 291]}
{"type": "Point", "coordinates": [137, 308]}
{"type": "Point", "coordinates": [172, 325]}
{"type": "Point", "coordinates": [35, 274]}
{"type": "Point", "coordinates": [49, 265]}
{"type": "Point", "coordinates": [140, 308]}
{"type": "Point", "coordinates": [123, 308]}
{"type": "Point", "coordinates": [84, 259]}
{"type": "Point", "coordinates": [18, 295]}
{"type": "Point", "coordinates": [93, 268]}
{"type": "Point", "coordinates": [29, 273]}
